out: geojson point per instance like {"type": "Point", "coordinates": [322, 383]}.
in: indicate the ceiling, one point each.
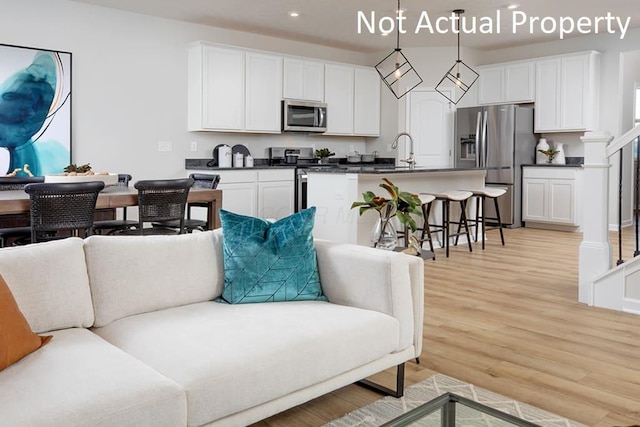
{"type": "Point", "coordinates": [335, 22]}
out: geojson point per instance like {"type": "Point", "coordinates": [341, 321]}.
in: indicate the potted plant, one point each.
{"type": "Point", "coordinates": [400, 204]}
{"type": "Point", "coordinates": [550, 153]}
{"type": "Point", "coordinates": [323, 154]}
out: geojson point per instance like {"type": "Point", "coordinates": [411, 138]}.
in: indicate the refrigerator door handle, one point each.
{"type": "Point", "coordinates": [478, 138]}
{"type": "Point", "coordinates": [485, 149]}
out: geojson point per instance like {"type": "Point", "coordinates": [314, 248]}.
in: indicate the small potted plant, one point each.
{"type": "Point", "coordinates": [550, 153]}
{"type": "Point", "coordinates": [323, 154]}
{"type": "Point", "coordinates": [400, 204]}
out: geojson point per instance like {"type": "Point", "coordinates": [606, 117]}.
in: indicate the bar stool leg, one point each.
{"type": "Point", "coordinates": [445, 225]}
{"type": "Point", "coordinates": [477, 221]}
{"type": "Point", "coordinates": [463, 219]}
{"type": "Point", "coordinates": [426, 228]}
{"type": "Point", "coordinates": [495, 201]}
{"type": "Point", "coordinates": [484, 229]}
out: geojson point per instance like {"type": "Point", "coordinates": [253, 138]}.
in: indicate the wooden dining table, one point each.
{"type": "Point", "coordinates": [17, 201]}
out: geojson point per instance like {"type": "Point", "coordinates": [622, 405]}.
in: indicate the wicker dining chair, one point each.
{"type": "Point", "coordinates": [161, 201]}
{"type": "Point", "coordinates": [112, 226]}
{"type": "Point", "coordinates": [19, 234]}
{"type": "Point", "coordinates": [200, 180]}
{"type": "Point", "coordinates": [62, 207]}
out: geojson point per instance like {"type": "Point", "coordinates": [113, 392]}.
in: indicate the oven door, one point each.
{"type": "Point", "coordinates": [301, 189]}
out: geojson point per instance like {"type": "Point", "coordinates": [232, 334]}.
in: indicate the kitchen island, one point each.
{"type": "Point", "coordinates": [333, 191]}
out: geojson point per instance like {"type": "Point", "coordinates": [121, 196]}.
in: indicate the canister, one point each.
{"type": "Point", "coordinates": [238, 160]}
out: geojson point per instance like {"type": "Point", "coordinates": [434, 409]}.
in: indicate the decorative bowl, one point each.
{"type": "Point", "coordinates": [108, 179]}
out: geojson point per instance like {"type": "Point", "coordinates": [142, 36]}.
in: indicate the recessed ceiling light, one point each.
{"type": "Point", "coordinates": [294, 14]}
{"type": "Point", "coordinates": [513, 6]}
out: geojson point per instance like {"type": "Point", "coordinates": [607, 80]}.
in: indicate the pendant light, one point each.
{"type": "Point", "coordinates": [396, 71]}
{"type": "Point", "coordinates": [461, 75]}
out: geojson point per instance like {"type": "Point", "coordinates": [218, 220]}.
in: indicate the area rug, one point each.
{"type": "Point", "coordinates": [388, 408]}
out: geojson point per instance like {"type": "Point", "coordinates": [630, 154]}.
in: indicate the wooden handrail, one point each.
{"type": "Point", "coordinates": [623, 140]}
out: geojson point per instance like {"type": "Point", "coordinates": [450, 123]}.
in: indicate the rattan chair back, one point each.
{"type": "Point", "coordinates": [162, 200]}
{"type": "Point", "coordinates": [18, 183]}
{"type": "Point", "coordinates": [62, 206]}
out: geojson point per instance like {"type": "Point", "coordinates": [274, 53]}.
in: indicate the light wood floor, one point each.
{"type": "Point", "coordinates": [507, 319]}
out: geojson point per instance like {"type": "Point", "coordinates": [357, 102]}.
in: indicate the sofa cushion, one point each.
{"type": "Point", "coordinates": [232, 357]}
{"type": "Point", "coordinates": [50, 284]}
{"type": "Point", "coordinates": [79, 379]}
{"type": "Point", "coordinates": [137, 274]}
{"type": "Point", "coordinates": [267, 262]}
{"type": "Point", "coordinates": [17, 340]}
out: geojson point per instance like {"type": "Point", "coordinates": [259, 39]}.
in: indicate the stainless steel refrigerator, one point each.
{"type": "Point", "coordinates": [499, 138]}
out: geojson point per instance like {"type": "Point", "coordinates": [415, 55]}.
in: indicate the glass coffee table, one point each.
{"type": "Point", "coordinates": [451, 410]}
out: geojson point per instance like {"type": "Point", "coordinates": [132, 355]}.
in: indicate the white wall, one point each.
{"type": "Point", "coordinates": [130, 83]}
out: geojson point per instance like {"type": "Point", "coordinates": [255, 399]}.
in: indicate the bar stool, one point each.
{"type": "Point", "coordinates": [425, 235]}
{"type": "Point", "coordinates": [446, 197]}
{"type": "Point", "coordinates": [481, 197]}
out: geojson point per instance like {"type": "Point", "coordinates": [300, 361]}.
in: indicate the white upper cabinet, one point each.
{"type": "Point", "coordinates": [567, 93]}
{"type": "Point", "coordinates": [352, 95]}
{"type": "Point", "coordinates": [216, 88]}
{"type": "Point", "coordinates": [506, 83]}
{"type": "Point", "coordinates": [240, 90]}
{"type": "Point", "coordinates": [263, 85]}
{"type": "Point", "coordinates": [303, 79]}
{"type": "Point", "coordinates": [339, 96]}
{"type": "Point", "coordinates": [233, 90]}
{"type": "Point", "coordinates": [366, 106]}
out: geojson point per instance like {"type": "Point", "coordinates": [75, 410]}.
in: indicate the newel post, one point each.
{"type": "Point", "coordinates": [595, 249]}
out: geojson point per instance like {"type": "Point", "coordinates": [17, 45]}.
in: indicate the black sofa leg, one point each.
{"type": "Point", "coordinates": [398, 392]}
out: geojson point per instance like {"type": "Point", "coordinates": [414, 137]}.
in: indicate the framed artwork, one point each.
{"type": "Point", "coordinates": [35, 111]}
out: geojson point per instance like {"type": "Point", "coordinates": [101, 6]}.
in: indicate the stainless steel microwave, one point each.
{"type": "Point", "coordinates": [303, 116]}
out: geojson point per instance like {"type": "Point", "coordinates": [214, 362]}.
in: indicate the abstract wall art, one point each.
{"type": "Point", "coordinates": [35, 110]}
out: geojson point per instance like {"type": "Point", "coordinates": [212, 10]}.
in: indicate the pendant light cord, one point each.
{"type": "Point", "coordinates": [398, 27]}
{"type": "Point", "coordinates": [458, 25]}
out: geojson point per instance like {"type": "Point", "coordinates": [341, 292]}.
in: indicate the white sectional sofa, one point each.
{"type": "Point", "coordinates": [138, 339]}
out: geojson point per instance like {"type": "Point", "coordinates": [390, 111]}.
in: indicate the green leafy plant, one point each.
{"type": "Point", "coordinates": [323, 153]}
{"type": "Point", "coordinates": [550, 153]}
{"type": "Point", "coordinates": [400, 203]}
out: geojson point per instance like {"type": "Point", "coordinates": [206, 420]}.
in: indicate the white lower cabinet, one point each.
{"type": "Point", "coordinates": [550, 195]}
{"type": "Point", "coordinates": [261, 192]}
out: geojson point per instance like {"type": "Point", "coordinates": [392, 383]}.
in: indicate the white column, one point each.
{"type": "Point", "coordinates": [595, 249]}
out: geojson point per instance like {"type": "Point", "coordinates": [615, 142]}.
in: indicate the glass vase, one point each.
{"type": "Point", "coordinates": [384, 235]}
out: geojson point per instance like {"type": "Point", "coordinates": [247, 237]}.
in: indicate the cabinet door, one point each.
{"type": "Point", "coordinates": [366, 108]}
{"type": "Point", "coordinates": [339, 96]}
{"type": "Point", "coordinates": [574, 91]}
{"type": "Point", "coordinates": [293, 78]}
{"type": "Point", "coordinates": [275, 199]}
{"type": "Point", "coordinates": [240, 198]}
{"type": "Point", "coordinates": [562, 201]}
{"type": "Point", "coordinates": [222, 88]}
{"type": "Point", "coordinates": [519, 82]}
{"type": "Point", "coordinates": [548, 92]}
{"type": "Point", "coordinates": [313, 81]}
{"type": "Point", "coordinates": [303, 79]}
{"type": "Point", "coordinates": [263, 92]}
{"type": "Point", "coordinates": [491, 85]}
{"type": "Point", "coordinates": [534, 199]}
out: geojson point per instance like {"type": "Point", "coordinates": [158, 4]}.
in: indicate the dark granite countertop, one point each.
{"type": "Point", "coordinates": [386, 169]}
{"type": "Point", "coordinates": [552, 165]}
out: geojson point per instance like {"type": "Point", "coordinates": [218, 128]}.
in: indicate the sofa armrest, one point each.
{"type": "Point", "coordinates": [374, 279]}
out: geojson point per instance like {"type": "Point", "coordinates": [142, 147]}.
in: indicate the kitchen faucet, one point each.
{"type": "Point", "coordinates": [411, 160]}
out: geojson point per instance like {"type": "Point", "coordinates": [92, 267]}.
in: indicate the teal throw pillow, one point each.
{"type": "Point", "coordinates": [268, 262]}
